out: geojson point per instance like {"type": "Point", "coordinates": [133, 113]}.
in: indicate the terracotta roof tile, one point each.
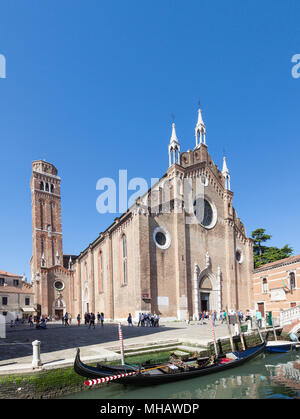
{"type": "Point", "coordinates": [9, 274]}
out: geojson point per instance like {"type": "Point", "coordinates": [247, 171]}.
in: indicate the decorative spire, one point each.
{"type": "Point", "coordinates": [226, 174]}
{"type": "Point", "coordinates": [70, 264]}
{"type": "Point", "coordinates": [174, 147]}
{"type": "Point", "coordinates": [200, 131]}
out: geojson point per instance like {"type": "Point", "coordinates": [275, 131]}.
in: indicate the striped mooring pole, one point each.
{"type": "Point", "coordinates": [121, 343]}
{"type": "Point", "coordinates": [213, 334]}
{"type": "Point", "coordinates": [108, 378]}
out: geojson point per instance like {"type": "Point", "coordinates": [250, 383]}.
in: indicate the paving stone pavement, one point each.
{"type": "Point", "coordinates": [59, 343]}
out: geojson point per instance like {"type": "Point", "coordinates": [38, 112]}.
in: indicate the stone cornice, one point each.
{"type": "Point", "coordinates": [47, 174]}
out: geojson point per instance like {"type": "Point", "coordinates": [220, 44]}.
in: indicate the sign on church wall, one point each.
{"type": "Point", "coordinates": [162, 301]}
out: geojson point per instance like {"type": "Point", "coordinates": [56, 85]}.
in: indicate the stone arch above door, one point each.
{"type": "Point", "coordinates": [205, 282]}
{"type": "Point", "coordinates": [59, 304]}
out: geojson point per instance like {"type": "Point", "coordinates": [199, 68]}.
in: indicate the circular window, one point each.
{"type": "Point", "coordinates": [239, 256]}
{"type": "Point", "coordinates": [161, 238]}
{"type": "Point", "coordinates": [205, 212]}
{"type": "Point", "coordinates": [59, 285]}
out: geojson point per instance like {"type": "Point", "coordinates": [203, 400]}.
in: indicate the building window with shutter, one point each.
{"type": "Point", "coordinates": [292, 279]}
{"type": "Point", "coordinates": [265, 285]}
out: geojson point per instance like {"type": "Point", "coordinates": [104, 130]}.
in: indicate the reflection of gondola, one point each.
{"type": "Point", "coordinates": [168, 372]}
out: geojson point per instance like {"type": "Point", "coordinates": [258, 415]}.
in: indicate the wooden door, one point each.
{"type": "Point", "coordinates": [261, 308]}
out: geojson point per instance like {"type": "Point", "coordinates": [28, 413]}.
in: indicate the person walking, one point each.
{"type": "Point", "coordinates": [92, 320]}
{"type": "Point", "coordinates": [140, 319]}
{"type": "Point", "coordinates": [224, 316]}
{"type": "Point", "coordinates": [214, 316]}
{"type": "Point", "coordinates": [102, 318]}
{"type": "Point", "coordinates": [67, 319]}
{"type": "Point", "coordinates": [98, 317]}
{"type": "Point", "coordinates": [258, 318]}
{"type": "Point", "coordinates": [78, 320]}
{"type": "Point", "coordinates": [30, 321]}
{"type": "Point", "coordinates": [129, 320]}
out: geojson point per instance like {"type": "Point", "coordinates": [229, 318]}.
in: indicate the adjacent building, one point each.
{"type": "Point", "coordinates": [16, 296]}
{"type": "Point", "coordinates": [276, 286]}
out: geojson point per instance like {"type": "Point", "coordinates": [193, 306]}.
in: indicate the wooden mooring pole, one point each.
{"type": "Point", "coordinates": [240, 331]}
{"type": "Point", "coordinates": [229, 330]}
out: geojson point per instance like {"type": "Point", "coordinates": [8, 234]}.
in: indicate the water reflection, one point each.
{"type": "Point", "coordinates": [268, 376]}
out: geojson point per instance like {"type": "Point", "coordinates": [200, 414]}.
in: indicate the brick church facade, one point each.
{"type": "Point", "coordinates": [179, 249]}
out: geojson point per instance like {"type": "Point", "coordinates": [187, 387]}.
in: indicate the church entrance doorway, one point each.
{"type": "Point", "coordinates": [59, 314]}
{"type": "Point", "coordinates": [204, 301]}
{"type": "Point", "coordinates": [205, 291]}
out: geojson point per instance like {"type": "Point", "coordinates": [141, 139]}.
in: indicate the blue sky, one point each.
{"type": "Point", "coordinates": [91, 87]}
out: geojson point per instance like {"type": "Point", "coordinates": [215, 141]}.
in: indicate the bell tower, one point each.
{"type": "Point", "coordinates": [46, 217]}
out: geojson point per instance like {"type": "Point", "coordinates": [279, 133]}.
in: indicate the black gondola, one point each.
{"type": "Point", "coordinates": [167, 372]}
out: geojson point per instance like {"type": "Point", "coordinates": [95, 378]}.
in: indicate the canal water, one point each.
{"type": "Point", "coordinates": [267, 376]}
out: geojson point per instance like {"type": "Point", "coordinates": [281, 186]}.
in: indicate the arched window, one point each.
{"type": "Point", "coordinates": [53, 252]}
{"type": "Point", "coordinates": [42, 246]}
{"type": "Point", "coordinates": [100, 271]}
{"type": "Point", "coordinates": [51, 188]}
{"type": "Point", "coordinates": [42, 185]}
{"type": "Point", "coordinates": [292, 279]}
{"type": "Point", "coordinates": [41, 215]}
{"type": "Point", "coordinates": [124, 250]}
{"type": "Point", "coordinates": [265, 285]}
{"type": "Point", "coordinates": [47, 187]}
{"type": "Point", "coordinates": [52, 216]}
{"type": "Point", "coordinates": [86, 272]}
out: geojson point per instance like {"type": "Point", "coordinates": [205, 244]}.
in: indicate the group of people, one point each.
{"type": "Point", "coordinates": [147, 319]}
{"type": "Point", "coordinates": [90, 319]}
{"type": "Point", "coordinates": [233, 316]}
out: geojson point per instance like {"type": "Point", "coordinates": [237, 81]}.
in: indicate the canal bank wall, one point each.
{"type": "Point", "coordinates": [63, 381]}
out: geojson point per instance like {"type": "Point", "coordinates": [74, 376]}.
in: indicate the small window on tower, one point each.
{"type": "Point", "coordinates": [47, 187]}
{"type": "Point", "coordinates": [52, 188]}
{"type": "Point", "coordinates": [41, 185]}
